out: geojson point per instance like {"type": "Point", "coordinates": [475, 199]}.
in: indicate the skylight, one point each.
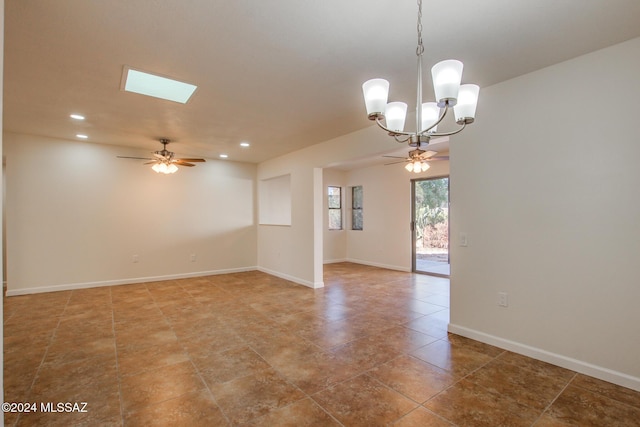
{"type": "Point", "coordinates": [156, 86]}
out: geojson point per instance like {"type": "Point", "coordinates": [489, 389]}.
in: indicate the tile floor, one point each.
{"type": "Point", "coordinates": [370, 349]}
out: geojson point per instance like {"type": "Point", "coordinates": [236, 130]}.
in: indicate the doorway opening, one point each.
{"type": "Point", "coordinates": [430, 226]}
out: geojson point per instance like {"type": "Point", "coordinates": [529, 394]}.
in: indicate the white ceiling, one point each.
{"type": "Point", "coordinates": [281, 74]}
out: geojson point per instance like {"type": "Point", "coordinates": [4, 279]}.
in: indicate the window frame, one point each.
{"type": "Point", "coordinates": [330, 209]}
{"type": "Point", "coordinates": [355, 208]}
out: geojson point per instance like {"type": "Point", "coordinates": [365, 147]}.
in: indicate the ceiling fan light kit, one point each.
{"type": "Point", "coordinates": [163, 161]}
{"type": "Point", "coordinates": [447, 76]}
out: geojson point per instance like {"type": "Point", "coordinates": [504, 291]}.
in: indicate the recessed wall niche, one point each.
{"type": "Point", "coordinates": [274, 200]}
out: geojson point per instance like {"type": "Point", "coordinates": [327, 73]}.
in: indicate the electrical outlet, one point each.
{"type": "Point", "coordinates": [503, 299]}
{"type": "Point", "coordinates": [194, 257]}
{"type": "Point", "coordinates": [135, 258]}
{"type": "Point", "coordinates": [463, 239]}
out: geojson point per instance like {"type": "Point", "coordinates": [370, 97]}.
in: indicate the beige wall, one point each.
{"type": "Point", "coordinates": [76, 215]}
{"type": "Point", "coordinates": [545, 184]}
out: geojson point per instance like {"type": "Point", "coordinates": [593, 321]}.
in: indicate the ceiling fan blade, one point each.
{"type": "Point", "coordinates": [152, 162]}
{"type": "Point", "coordinates": [395, 157]}
{"type": "Point", "coordinates": [190, 160]}
{"type": "Point", "coordinates": [159, 156]}
{"type": "Point", "coordinates": [395, 163]}
{"type": "Point", "coordinates": [181, 163]}
{"type": "Point", "coordinates": [430, 159]}
{"type": "Point", "coordinates": [137, 158]}
{"type": "Point", "coordinates": [429, 153]}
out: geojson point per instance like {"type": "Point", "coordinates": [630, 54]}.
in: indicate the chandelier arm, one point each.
{"type": "Point", "coordinates": [462, 126]}
{"type": "Point", "coordinates": [401, 141]}
{"type": "Point", "coordinates": [444, 113]}
{"type": "Point", "coordinates": [391, 132]}
{"type": "Point", "coordinates": [419, 52]}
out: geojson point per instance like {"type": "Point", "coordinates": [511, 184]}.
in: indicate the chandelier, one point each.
{"type": "Point", "coordinates": [446, 76]}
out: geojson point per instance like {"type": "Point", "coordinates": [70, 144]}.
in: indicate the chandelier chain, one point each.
{"type": "Point", "coordinates": [420, 48]}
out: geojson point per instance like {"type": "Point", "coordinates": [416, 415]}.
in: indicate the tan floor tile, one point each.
{"type": "Point", "coordinates": [365, 353]}
{"type": "Point", "coordinates": [143, 312]}
{"type": "Point", "coordinates": [249, 397]}
{"type": "Point", "coordinates": [213, 342]}
{"type": "Point", "coordinates": [192, 409]}
{"type": "Point", "coordinates": [460, 361]}
{"type": "Point", "coordinates": [58, 380]}
{"type": "Point", "coordinates": [436, 299]}
{"type": "Point", "coordinates": [528, 387]}
{"type": "Point", "coordinates": [303, 413]}
{"type": "Point", "coordinates": [422, 418]}
{"type": "Point", "coordinates": [64, 419]}
{"type": "Point", "coordinates": [229, 364]}
{"type": "Point", "coordinates": [581, 407]}
{"type": "Point", "coordinates": [140, 338]}
{"type": "Point", "coordinates": [404, 339]}
{"type": "Point", "coordinates": [273, 346]}
{"type": "Point", "coordinates": [534, 365]}
{"type": "Point", "coordinates": [364, 401]}
{"type": "Point", "coordinates": [468, 404]}
{"type": "Point", "coordinates": [613, 391]}
{"type": "Point", "coordinates": [34, 342]}
{"type": "Point", "coordinates": [156, 386]}
{"type": "Point", "coordinates": [547, 421]}
{"type": "Point", "coordinates": [413, 378]}
{"type": "Point", "coordinates": [19, 373]}
{"type": "Point", "coordinates": [313, 371]}
{"type": "Point", "coordinates": [66, 350]}
{"type": "Point", "coordinates": [133, 360]}
{"type": "Point", "coordinates": [301, 321]}
{"type": "Point", "coordinates": [22, 324]}
{"type": "Point", "coordinates": [430, 325]}
{"type": "Point", "coordinates": [332, 334]}
{"type": "Point", "coordinates": [79, 382]}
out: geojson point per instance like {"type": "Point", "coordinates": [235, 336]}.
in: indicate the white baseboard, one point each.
{"type": "Point", "coordinates": [72, 286]}
{"type": "Point", "coordinates": [293, 279]}
{"type": "Point", "coordinates": [580, 366]}
{"type": "Point", "coordinates": [334, 261]}
{"type": "Point", "coordinates": [376, 264]}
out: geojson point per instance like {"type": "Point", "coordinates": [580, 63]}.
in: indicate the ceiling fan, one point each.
{"type": "Point", "coordinates": [418, 160]}
{"type": "Point", "coordinates": [163, 161]}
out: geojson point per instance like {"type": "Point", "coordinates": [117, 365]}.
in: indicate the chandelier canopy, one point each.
{"type": "Point", "coordinates": [449, 93]}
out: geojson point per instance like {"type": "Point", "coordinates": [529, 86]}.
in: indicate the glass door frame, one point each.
{"type": "Point", "coordinates": [413, 224]}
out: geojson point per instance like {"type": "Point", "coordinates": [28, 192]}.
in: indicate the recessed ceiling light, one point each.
{"type": "Point", "coordinates": [81, 136]}
{"type": "Point", "coordinates": [224, 156]}
{"type": "Point", "coordinates": [244, 144]}
{"type": "Point", "coordinates": [76, 116]}
{"type": "Point", "coordinates": [156, 86]}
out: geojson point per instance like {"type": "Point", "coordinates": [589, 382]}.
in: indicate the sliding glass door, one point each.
{"type": "Point", "coordinates": [430, 226]}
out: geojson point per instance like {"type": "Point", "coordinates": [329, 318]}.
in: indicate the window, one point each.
{"type": "Point", "coordinates": [356, 208]}
{"type": "Point", "coordinates": [335, 208]}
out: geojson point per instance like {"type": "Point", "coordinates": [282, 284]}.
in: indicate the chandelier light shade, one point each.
{"type": "Point", "coordinates": [449, 93]}
{"type": "Point", "coordinates": [376, 92]}
{"type": "Point", "coordinates": [396, 112]}
{"type": "Point", "coordinates": [446, 81]}
{"type": "Point", "coordinates": [430, 115]}
{"type": "Point", "coordinates": [465, 109]}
